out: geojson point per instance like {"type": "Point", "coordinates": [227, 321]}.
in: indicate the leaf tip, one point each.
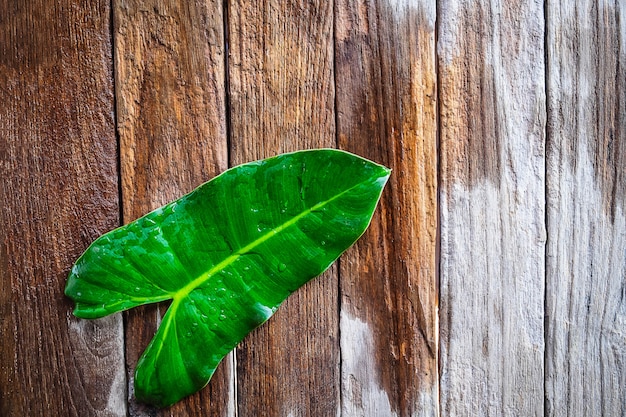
{"type": "Point", "coordinates": [385, 173]}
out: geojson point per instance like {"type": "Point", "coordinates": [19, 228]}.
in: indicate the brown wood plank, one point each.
{"type": "Point", "coordinates": [169, 65]}
{"type": "Point", "coordinates": [586, 159]}
{"type": "Point", "coordinates": [492, 112]}
{"type": "Point", "coordinates": [282, 99]}
{"type": "Point", "coordinates": [386, 106]}
{"type": "Point", "coordinates": [58, 157]}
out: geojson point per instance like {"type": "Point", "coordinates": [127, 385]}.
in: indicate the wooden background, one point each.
{"type": "Point", "coordinates": [492, 281]}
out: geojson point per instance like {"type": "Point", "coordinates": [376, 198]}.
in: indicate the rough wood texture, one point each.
{"type": "Point", "coordinates": [529, 326]}
{"type": "Point", "coordinates": [169, 61]}
{"type": "Point", "coordinates": [586, 264]}
{"type": "Point", "coordinates": [58, 190]}
{"type": "Point", "coordinates": [386, 107]}
{"type": "Point", "coordinates": [282, 99]}
{"type": "Point", "coordinates": [492, 98]}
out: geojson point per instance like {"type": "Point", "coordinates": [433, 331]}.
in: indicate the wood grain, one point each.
{"type": "Point", "coordinates": [492, 117]}
{"type": "Point", "coordinates": [282, 99]}
{"type": "Point", "coordinates": [386, 107]}
{"type": "Point", "coordinates": [169, 66]}
{"type": "Point", "coordinates": [59, 192]}
{"type": "Point", "coordinates": [586, 263]}
{"type": "Point", "coordinates": [531, 215]}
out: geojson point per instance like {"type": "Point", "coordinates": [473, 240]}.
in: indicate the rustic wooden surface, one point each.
{"type": "Point", "coordinates": [58, 186]}
{"type": "Point", "coordinates": [493, 114]}
{"type": "Point", "coordinates": [282, 99]}
{"type": "Point", "coordinates": [171, 118]}
{"type": "Point", "coordinates": [492, 279]}
{"type": "Point", "coordinates": [586, 253]}
{"type": "Point", "coordinates": [386, 111]}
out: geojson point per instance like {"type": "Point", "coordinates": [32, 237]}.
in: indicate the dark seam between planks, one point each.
{"type": "Point", "coordinates": [120, 194]}
{"type": "Point", "coordinates": [340, 388]}
{"type": "Point", "coordinates": [227, 104]}
{"type": "Point", "coordinates": [546, 319]}
{"type": "Point", "coordinates": [227, 119]}
{"type": "Point", "coordinates": [439, 175]}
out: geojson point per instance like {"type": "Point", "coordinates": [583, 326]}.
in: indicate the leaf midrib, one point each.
{"type": "Point", "coordinates": [181, 294]}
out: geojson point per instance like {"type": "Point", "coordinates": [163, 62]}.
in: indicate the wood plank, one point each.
{"type": "Point", "coordinates": [386, 106]}
{"type": "Point", "coordinates": [58, 156]}
{"type": "Point", "coordinates": [492, 113]}
{"type": "Point", "coordinates": [282, 99]}
{"type": "Point", "coordinates": [586, 252]}
{"type": "Point", "coordinates": [169, 64]}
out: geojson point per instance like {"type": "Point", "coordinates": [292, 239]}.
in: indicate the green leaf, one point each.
{"type": "Point", "coordinates": [227, 255]}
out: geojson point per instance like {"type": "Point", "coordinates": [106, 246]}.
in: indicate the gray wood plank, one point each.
{"type": "Point", "coordinates": [586, 252]}
{"type": "Point", "coordinates": [492, 114]}
{"type": "Point", "coordinates": [386, 111]}
{"type": "Point", "coordinates": [58, 187]}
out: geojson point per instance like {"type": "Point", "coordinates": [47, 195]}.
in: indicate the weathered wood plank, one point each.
{"type": "Point", "coordinates": [492, 113]}
{"type": "Point", "coordinates": [282, 99]}
{"type": "Point", "coordinates": [169, 64]}
{"type": "Point", "coordinates": [58, 189]}
{"type": "Point", "coordinates": [386, 106]}
{"type": "Point", "coordinates": [586, 252]}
